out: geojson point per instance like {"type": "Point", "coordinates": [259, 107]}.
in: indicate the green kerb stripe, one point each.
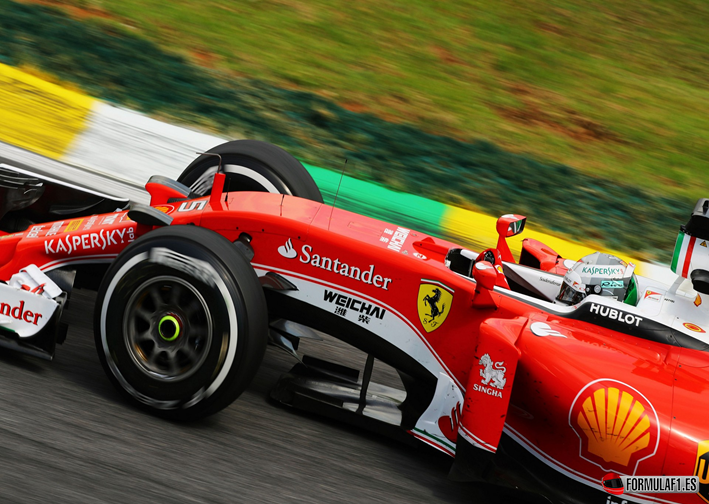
{"type": "Point", "coordinates": [379, 202]}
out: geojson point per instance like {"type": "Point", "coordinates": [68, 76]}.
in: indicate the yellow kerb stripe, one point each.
{"type": "Point", "coordinates": [38, 115]}
{"type": "Point", "coordinates": [45, 118]}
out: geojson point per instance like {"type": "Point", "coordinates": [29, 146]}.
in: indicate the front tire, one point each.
{"type": "Point", "coordinates": [251, 165]}
{"type": "Point", "coordinates": [181, 322]}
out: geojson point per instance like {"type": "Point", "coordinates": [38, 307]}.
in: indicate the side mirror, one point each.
{"type": "Point", "coordinates": [485, 276]}
{"type": "Point", "coordinates": [508, 225]}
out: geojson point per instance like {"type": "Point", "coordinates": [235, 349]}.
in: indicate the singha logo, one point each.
{"type": "Point", "coordinates": [493, 372]}
{"type": "Point", "coordinates": [432, 301]}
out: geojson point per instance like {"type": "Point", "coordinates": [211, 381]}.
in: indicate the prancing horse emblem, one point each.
{"type": "Point", "coordinates": [432, 301]}
{"type": "Point", "coordinates": [434, 304]}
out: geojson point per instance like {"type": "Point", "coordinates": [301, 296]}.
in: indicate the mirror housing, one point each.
{"type": "Point", "coordinates": [485, 276]}
{"type": "Point", "coordinates": [508, 225]}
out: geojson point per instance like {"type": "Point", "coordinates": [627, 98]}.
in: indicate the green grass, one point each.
{"type": "Point", "coordinates": [117, 64]}
{"type": "Point", "coordinates": [616, 88]}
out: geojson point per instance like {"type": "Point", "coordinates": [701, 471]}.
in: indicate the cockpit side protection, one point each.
{"type": "Point", "coordinates": [631, 297]}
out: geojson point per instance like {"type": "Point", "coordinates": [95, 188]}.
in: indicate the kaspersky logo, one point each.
{"type": "Point", "coordinates": [617, 426]}
{"type": "Point", "coordinates": [606, 271]}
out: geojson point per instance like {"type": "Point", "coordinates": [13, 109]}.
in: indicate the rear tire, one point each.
{"type": "Point", "coordinates": [251, 165]}
{"type": "Point", "coordinates": [181, 322]}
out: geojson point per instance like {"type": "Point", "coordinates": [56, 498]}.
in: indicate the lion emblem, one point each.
{"type": "Point", "coordinates": [493, 372]}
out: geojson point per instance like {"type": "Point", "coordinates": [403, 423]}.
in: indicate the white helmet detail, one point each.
{"type": "Point", "coordinates": [597, 273]}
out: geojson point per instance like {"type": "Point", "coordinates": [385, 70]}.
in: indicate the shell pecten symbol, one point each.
{"type": "Point", "coordinates": [617, 426]}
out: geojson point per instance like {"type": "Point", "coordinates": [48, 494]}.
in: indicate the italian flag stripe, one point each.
{"type": "Point", "coordinates": [678, 248]}
{"type": "Point", "coordinates": [688, 256]}
{"type": "Point", "coordinates": [423, 433]}
{"type": "Point", "coordinates": [682, 256]}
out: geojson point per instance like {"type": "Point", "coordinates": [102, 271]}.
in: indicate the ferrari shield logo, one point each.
{"type": "Point", "coordinates": [434, 303]}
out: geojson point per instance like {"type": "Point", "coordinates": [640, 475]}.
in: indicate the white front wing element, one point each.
{"type": "Point", "coordinates": [444, 412]}
{"type": "Point", "coordinates": [27, 302]}
{"type": "Point", "coordinates": [34, 280]}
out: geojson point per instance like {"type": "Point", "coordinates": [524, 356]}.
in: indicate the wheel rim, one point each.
{"type": "Point", "coordinates": [167, 328]}
{"type": "Point", "coordinates": [203, 184]}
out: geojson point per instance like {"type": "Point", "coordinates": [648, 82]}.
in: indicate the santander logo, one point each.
{"type": "Point", "coordinates": [287, 250]}
{"type": "Point", "coordinates": [357, 273]}
{"type": "Point", "coordinates": [19, 313]}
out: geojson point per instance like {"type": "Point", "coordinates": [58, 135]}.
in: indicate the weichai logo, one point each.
{"type": "Point", "coordinates": [617, 426]}
{"type": "Point", "coordinates": [701, 469]}
{"type": "Point", "coordinates": [355, 304]}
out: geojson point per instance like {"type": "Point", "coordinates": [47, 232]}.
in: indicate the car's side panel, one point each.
{"type": "Point", "coordinates": [688, 452]}
{"type": "Point", "coordinates": [332, 276]}
{"type": "Point", "coordinates": [588, 402]}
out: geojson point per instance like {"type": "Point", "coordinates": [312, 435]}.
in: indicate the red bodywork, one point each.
{"type": "Point", "coordinates": [583, 399]}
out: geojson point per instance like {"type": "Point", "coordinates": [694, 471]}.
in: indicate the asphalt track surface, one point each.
{"type": "Point", "coordinates": [66, 436]}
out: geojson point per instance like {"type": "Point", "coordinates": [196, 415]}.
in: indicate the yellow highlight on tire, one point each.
{"type": "Point", "coordinates": [38, 115]}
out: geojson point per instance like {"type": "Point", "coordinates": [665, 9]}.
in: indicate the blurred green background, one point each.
{"type": "Point", "coordinates": [589, 118]}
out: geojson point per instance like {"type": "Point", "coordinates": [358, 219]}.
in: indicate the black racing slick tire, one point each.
{"type": "Point", "coordinates": [180, 322]}
{"type": "Point", "coordinates": [251, 165]}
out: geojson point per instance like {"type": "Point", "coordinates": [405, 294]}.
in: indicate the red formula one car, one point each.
{"type": "Point", "coordinates": [560, 375]}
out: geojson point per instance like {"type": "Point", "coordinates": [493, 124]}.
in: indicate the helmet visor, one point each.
{"type": "Point", "coordinates": [569, 295]}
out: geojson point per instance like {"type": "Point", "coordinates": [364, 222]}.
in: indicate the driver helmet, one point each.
{"type": "Point", "coordinates": [601, 274]}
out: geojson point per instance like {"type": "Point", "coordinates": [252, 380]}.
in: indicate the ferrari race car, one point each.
{"type": "Point", "coordinates": [526, 372]}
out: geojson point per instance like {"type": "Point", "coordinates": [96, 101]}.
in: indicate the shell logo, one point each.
{"type": "Point", "coordinates": [693, 327]}
{"type": "Point", "coordinates": [168, 209]}
{"type": "Point", "coordinates": [617, 426]}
